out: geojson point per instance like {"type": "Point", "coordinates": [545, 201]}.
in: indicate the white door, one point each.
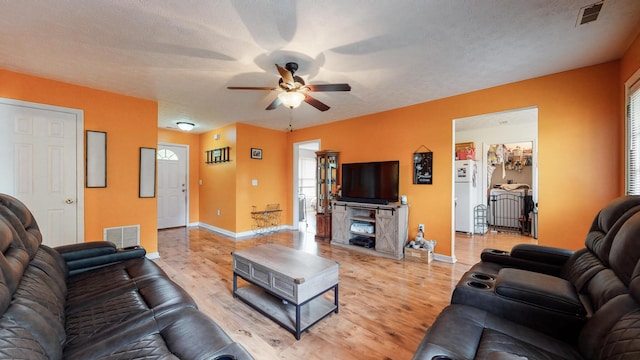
{"type": "Point", "coordinates": [172, 185]}
{"type": "Point", "coordinates": [39, 160]}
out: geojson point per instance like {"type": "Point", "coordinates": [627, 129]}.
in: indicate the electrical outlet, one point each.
{"type": "Point", "coordinates": [421, 227]}
{"type": "Point", "coordinates": [218, 212]}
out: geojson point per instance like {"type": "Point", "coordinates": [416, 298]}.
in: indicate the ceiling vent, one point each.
{"type": "Point", "coordinates": [589, 13]}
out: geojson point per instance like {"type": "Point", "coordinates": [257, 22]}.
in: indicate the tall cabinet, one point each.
{"type": "Point", "coordinates": [326, 190]}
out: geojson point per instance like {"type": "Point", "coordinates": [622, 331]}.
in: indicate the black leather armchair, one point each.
{"type": "Point", "coordinates": [543, 303]}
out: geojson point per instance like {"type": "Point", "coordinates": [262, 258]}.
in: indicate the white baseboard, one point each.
{"type": "Point", "coordinates": [217, 229]}
{"type": "Point", "coordinates": [244, 234]}
{"type": "Point", "coordinates": [444, 258]}
{"type": "Point", "coordinates": [240, 235]}
{"type": "Point", "coordinates": [151, 256]}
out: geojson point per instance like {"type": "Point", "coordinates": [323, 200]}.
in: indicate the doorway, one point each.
{"type": "Point", "coordinates": [173, 185]}
{"type": "Point", "coordinates": [513, 127]}
{"type": "Point", "coordinates": [510, 188]}
{"type": "Point", "coordinates": [42, 152]}
{"type": "Point", "coordinates": [304, 185]}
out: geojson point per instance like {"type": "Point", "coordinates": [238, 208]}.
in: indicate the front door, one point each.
{"type": "Point", "coordinates": [172, 186]}
{"type": "Point", "coordinates": [39, 161]}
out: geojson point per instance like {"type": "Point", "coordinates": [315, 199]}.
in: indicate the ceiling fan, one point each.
{"type": "Point", "coordinates": [294, 90]}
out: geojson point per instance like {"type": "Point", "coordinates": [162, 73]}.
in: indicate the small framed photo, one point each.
{"type": "Point", "coordinates": [256, 153]}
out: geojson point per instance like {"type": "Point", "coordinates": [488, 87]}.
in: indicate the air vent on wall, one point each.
{"type": "Point", "coordinates": [123, 236]}
{"type": "Point", "coordinates": [589, 13]}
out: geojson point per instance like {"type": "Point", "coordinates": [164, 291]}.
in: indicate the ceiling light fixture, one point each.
{"type": "Point", "coordinates": [185, 126]}
{"type": "Point", "coordinates": [291, 99]}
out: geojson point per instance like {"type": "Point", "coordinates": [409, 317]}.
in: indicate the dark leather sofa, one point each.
{"type": "Point", "coordinates": [537, 302]}
{"type": "Point", "coordinates": [93, 301]}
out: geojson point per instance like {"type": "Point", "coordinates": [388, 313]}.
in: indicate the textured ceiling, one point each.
{"type": "Point", "coordinates": [393, 53]}
{"type": "Point", "coordinates": [516, 117]}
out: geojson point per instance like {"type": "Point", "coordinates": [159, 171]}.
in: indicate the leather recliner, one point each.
{"type": "Point", "coordinates": [545, 303]}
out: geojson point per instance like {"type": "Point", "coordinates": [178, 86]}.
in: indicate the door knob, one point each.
{"type": "Point", "coordinates": [68, 200]}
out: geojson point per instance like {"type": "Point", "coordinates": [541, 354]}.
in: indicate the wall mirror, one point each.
{"type": "Point", "coordinates": [96, 159]}
{"type": "Point", "coordinates": [147, 172]}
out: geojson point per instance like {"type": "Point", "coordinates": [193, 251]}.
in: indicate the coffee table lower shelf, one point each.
{"type": "Point", "coordinates": [284, 313]}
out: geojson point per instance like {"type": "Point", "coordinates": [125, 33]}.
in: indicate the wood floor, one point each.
{"type": "Point", "coordinates": [385, 305]}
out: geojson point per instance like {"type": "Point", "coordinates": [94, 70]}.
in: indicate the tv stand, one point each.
{"type": "Point", "coordinates": [386, 224]}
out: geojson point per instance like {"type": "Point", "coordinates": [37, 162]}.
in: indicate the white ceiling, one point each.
{"type": "Point", "coordinates": [393, 53]}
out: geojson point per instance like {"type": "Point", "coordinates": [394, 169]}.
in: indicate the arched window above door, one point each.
{"type": "Point", "coordinates": [166, 154]}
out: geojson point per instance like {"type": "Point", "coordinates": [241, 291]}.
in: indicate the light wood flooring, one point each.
{"type": "Point", "coordinates": [385, 305]}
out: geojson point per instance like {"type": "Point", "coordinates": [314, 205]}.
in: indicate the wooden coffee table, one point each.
{"type": "Point", "coordinates": [286, 285]}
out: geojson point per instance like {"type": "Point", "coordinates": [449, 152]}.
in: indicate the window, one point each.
{"type": "Point", "coordinates": [633, 135]}
{"type": "Point", "coordinates": [166, 154]}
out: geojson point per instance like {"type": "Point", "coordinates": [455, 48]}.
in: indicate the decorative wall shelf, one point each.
{"type": "Point", "coordinates": [218, 155]}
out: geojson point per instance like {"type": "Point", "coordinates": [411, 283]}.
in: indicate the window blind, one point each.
{"type": "Point", "coordinates": [633, 141]}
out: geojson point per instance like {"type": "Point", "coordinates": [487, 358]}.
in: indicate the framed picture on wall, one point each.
{"type": "Point", "coordinates": [423, 168]}
{"type": "Point", "coordinates": [256, 153]}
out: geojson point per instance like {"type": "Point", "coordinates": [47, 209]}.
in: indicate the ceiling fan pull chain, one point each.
{"type": "Point", "coordinates": [290, 120]}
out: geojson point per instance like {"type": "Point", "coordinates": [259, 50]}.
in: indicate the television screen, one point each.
{"type": "Point", "coordinates": [374, 182]}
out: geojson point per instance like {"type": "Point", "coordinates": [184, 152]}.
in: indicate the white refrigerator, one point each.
{"type": "Point", "coordinates": [465, 194]}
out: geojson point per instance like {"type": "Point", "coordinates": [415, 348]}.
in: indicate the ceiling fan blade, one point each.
{"type": "Point", "coordinates": [316, 103]}
{"type": "Point", "coordinates": [249, 88]}
{"type": "Point", "coordinates": [287, 77]}
{"type": "Point", "coordinates": [329, 87]}
{"type": "Point", "coordinates": [274, 104]}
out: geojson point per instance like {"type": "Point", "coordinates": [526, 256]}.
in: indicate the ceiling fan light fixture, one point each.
{"type": "Point", "coordinates": [185, 126]}
{"type": "Point", "coordinates": [291, 99]}
{"type": "Point", "coordinates": [293, 90]}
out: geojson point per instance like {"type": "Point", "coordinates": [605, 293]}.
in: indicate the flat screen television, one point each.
{"type": "Point", "coordinates": [371, 182]}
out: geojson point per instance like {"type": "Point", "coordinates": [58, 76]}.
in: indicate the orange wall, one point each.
{"type": "Point", "coordinates": [193, 141]}
{"type": "Point", "coordinates": [579, 167]}
{"type": "Point", "coordinates": [218, 189]}
{"type": "Point", "coordinates": [270, 172]}
{"type": "Point", "coordinates": [630, 62]}
{"type": "Point", "coordinates": [130, 123]}
{"type": "Point", "coordinates": [227, 186]}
